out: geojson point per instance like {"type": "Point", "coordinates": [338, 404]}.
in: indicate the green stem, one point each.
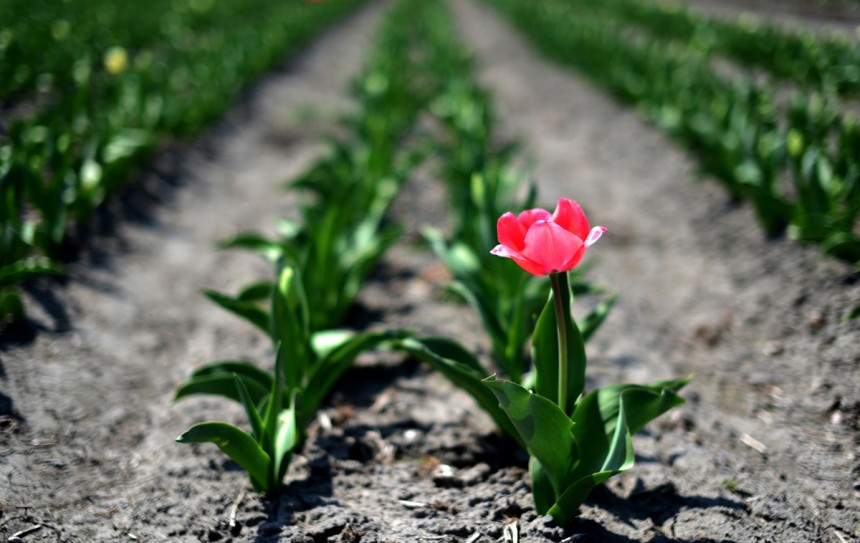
{"type": "Point", "coordinates": [561, 325]}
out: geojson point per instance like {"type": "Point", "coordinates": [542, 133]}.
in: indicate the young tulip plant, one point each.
{"type": "Point", "coordinates": [575, 439]}
{"type": "Point", "coordinates": [280, 404]}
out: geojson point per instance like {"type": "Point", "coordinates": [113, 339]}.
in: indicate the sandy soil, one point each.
{"type": "Point", "coordinates": [765, 450]}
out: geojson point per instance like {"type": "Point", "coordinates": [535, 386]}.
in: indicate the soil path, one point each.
{"type": "Point", "coordinates": [764, 450]}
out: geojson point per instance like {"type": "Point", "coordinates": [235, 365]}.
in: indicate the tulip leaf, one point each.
{"type": "Point", "coordinates": [251, 410]}
{"type": "Point", "coordinates": [256, 292]}
{"type": "Point", "coordinates": [618, 456]}
{"type": "Point", "coordinates": [594, 319]}
{"type": "Point", "coordinates": [218, 379]}
{"type": "Point", "coordinates": [462, 368]}
{"type": "Point", "coordinates": [290, 328]}
{"type": "Point", "coordinates": [335, 362]}
{"type": "Point", "coordinates": [22, 270]}
{"type": "Point", "coordinates": [543, 492]}
{"type": "Point", "coordinates": [543, 426]}
{"type": "Point", "coordinates": [248, 310]}
{"type": "Point", "coordinates": [270, 250]}
{"type": "Point", "coordinates": [11, 304]}
{"type": "Point", "coordinates": [287, 436]}
{"type": "Point", "coordinates": [235, 443]}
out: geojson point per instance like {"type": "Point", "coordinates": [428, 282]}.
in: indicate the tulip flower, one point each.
{"type": "Point", "coordinates": [541, 243]}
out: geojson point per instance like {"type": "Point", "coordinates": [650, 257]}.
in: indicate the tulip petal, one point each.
{"type": "Point", "coordinates": [569, 215]}
{"type": "Point", "coordinates": [550, 246]}
{"type": "Point", "coordinates": [502, 251]}
{"type": "Point", "coordinates": [594, 235]}
{"type": "Point", "coordinates": [534, 268]}
{"type": "Point", "coordinates": [531, 216]}
{"type": "Point", "coordinates": [510, 232]}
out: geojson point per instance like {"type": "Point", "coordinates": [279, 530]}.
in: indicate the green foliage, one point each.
{"type": "Point", "coordinates": [101, 84]}
{"type": "Point", "coordinates": [344, 229]}
{"type": "Point", "coordinates": [795, 160]}
{"type": "Point", "coordinates": [279, 405]}
{"type": "Point", "coordinates": [577, 443]}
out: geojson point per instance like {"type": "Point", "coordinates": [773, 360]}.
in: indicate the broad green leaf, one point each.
{"type": "Point", "coordinates": [463, 369]}
{"type": "Point", "coordinates": [543, 427]}
{"type": "Point", "coordinates": [249, 311]}
{"type": "Point", "coordinates": [618, 457]}
{"type": "Point", "coordinates": [543, 492]}
{"type": "Point", "coordinates": [217, 379]}
{"type": "Point", "coordinates": [235, 443]}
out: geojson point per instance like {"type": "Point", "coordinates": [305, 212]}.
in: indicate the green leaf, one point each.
{"type": "Point", "coordinates": [462, 368]}
{"type": "Point", "coordinates": [11, 304]}
{"type": "Point", "coordinates": [287, 437]}
{"type": "Point", "coordinates": [249, 311]}
{"type": "Point", "coordinates": [27, 269]}
{"type": "Point", "coordinates": [256, 292]}
{"type": "Point", "coordinates": [543, 427]}
{"type": "Point", "coordinates": [250, 408]}
{"type": "Point", "coordinates": [235, 443]}
{"type": "Point", "coordinates": [218, 379]}
{"type": "Point", "coordinates": [270, 250]}
{"type": "Point", "coordinates": [595, 317]}
{"type": "Point", "coordinates": [618, 457]}
{"type": "Point", "coordinates": [290, 328]}
{"type": "Point", "coordinates": [334, 361]}
{"type": "Point", "coordinates": [852, 314]}
{"type": "Point", "coordinates": [542, 491]}
{"type": "Point", "coordinates": [326, 341]}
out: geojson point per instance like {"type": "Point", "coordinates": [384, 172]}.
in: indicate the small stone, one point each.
{"type": "Point", "coordinates": [773, 348]}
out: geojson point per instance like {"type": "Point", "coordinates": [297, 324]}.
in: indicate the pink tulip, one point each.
{"type": "Point", "coordinates": [541, 243]}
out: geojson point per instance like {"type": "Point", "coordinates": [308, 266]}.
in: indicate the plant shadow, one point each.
{"type": "Point", "coordinates": [658, 504]}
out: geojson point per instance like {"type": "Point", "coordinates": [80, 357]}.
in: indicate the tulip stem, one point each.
{"type": "Point", "coordinates": [561, 325]}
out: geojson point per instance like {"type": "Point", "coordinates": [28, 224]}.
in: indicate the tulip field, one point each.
{"type": "Point", "coordinates": [429, 270]}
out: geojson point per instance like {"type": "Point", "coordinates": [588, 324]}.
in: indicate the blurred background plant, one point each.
{"type": "Point", "coordinates": [89, 89]}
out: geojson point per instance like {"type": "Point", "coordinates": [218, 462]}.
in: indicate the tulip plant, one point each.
{"type": "Point", "coordinates": [279, 405]}
{"type": "Point", "coordinates": [576, 438]}
{"type": "Point", "coordinates": [481, 184]}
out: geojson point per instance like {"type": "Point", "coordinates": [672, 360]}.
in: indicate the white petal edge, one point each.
{"type": "Point", "coordinates": [501, 250]}
{"type": "Point", "coordinates": [594, 235]}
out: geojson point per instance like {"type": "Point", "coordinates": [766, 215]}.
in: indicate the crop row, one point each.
{"type": "Point", "coordinates": [89, 89]}
{"type": "Point", "coordinates": [789, 149]}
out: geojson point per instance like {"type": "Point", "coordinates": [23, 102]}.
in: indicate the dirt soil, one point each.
{"type": "Point", "coordinates": [766, 449]}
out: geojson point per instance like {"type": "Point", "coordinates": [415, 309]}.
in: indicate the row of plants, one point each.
{"type": "Point", "coordinates": [791, 151]}
{"type": "Point", "coordinates": [89, 89]}
{"type": "Point", "coordinates": [322, 260]}
{"type": "Point", "coordinates": [827, 62]}
{"type": "Point", "coordinates": [576, 438]}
